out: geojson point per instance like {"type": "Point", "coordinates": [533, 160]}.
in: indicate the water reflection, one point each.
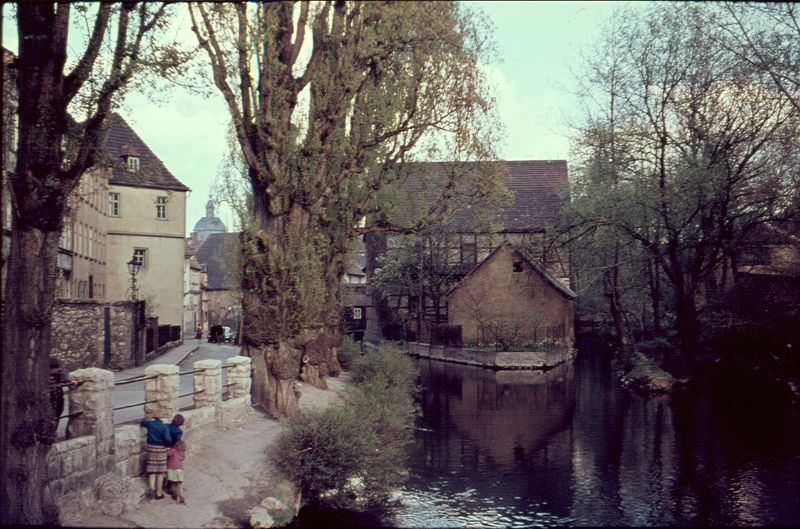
{"type": "Point", "coordinates": [483, 457]}
{"type": "Point", "coordinates": [569, 447]}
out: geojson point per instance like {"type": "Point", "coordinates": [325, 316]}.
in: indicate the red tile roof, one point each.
{"type": "Point", "coordinates": [122, 141]}
{"type": "Point", "coordinates": [539, 189]}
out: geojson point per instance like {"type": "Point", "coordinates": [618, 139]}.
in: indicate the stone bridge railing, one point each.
{"type": "Point", "coordinates": [98, 463]}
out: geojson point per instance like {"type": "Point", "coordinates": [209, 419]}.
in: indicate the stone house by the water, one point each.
{"type": "Point", "coordinates": [766, 272]}
{"type": "Point", "coordinates": [510, 298]}
{"type": "Point", "coordinates": [538, 190]}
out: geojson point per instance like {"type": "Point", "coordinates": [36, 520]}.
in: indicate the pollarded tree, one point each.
{"type": "Point", "coordinates": [62, 105]}
{"type": "Point", "coordinates": [320, 120]}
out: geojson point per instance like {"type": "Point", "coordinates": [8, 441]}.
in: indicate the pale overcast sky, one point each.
{"type": "Point", "coordinates": [539, 44]}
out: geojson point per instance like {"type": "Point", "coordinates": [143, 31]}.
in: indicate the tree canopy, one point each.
{"type": "Point", "coordinates": [326, 98]}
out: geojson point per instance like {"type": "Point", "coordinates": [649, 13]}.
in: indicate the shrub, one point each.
{"type": "Point", "coordinates": [349, 350]}
{"type": "Point", "coordinates": [388, 364]}
{"type": "Point", "coordinates": [354, 454]}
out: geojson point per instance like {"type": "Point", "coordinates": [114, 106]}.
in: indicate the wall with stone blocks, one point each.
{"type": "Point", "coordinates": [127, 334]}
{"type": "Point", "coordinates": [100, 465]}
{"type": "Point", "coordinates": [78, 333]}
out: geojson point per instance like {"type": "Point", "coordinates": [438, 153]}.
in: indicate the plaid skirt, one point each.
{"type": "Point", "coordinates": [156, 459]}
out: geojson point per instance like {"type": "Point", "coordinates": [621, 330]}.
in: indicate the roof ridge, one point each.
{"type": "Point", "coordinates": [157, 176]}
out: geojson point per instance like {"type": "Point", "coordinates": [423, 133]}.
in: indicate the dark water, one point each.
{"type": "Point", "coordinates": [569, 447]}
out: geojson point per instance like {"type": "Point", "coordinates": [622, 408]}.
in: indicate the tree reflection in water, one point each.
{"type": "Point", "coordinates": [569, 447]}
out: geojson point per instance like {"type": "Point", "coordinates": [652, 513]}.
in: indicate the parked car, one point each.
{"type": "Point", "coordinates": [215, 334]}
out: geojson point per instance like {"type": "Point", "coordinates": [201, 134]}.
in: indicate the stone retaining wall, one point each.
{"type": "Point", "coordinates": [77, 338]}
{"type": "Point", "coordinates": [99, 465]}
{"type": "Point", "coordinates": [492, 359]}
{"type": "Point", "coordinates": [127, 334]}
{"type": "Point", "coordinates": [79, 334]}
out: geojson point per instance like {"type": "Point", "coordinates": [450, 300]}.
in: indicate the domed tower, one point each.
{"type": "Point", "coordinates": [208, 224]}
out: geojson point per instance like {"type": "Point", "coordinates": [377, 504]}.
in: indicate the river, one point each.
{"type": "Point", "coordinates": [570, 447]}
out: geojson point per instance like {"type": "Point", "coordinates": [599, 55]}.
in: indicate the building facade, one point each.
{"type": "Point", "coordinates": [511, 299]}
{"type": "Point", "coordinates": [538, 190]}
{"type": "Point", "coordinates": [193, 318]}
{"type": "Point", "coordinates": [146, 207]}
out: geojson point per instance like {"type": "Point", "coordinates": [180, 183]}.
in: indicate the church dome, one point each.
{"type": "Point", "coordinates": [209, 224]}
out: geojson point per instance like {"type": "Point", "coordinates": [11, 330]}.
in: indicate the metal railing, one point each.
{"type": "Point", "coordinates": [134, 405]}
{"type": "Point", "coordinates": [133, 380]}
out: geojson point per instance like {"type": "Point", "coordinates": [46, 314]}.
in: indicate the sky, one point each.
{"type": "Point", "coordinates": [539, 45]}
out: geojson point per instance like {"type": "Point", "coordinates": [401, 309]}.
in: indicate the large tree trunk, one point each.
{"type": "Point", "coordinates": [655, 295]}
{"type": "Point", "coordinates": [611, 286]}
{"type": "Point", "coordinates": [290, 304]}
{"type": "Point", "coordinates": [28, 418]}
{"type": "Point", "coordinates": [688, 332]}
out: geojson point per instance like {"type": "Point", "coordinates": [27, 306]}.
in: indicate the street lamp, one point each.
{"type": "Point", "coordinates": [133, 268]}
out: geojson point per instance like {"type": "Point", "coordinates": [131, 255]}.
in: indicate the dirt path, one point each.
{"type": "Point", "coordinates": [227, 473]}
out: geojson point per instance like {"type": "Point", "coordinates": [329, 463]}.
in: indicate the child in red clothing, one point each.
{"type": "Point", "coordinates": [175, 456]}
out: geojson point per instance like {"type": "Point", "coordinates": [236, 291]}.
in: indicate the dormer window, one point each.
{"type": "Point", "coordinates": [132, 163]}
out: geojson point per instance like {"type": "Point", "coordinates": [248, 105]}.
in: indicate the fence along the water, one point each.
{"type": "Point", "coordinates": [163, 396]}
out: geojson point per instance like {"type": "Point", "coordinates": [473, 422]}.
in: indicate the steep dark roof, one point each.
{"type": "Point", "coordinates": [534, 263]}
{"type": "Point", "coordinates": [219, 253]}
{"type": "Point", "coordinates": [539, 189]}
{"type": "Point", "coordinates": [122, 140]}
{"type": "Point", "coordinates": [775, 232]}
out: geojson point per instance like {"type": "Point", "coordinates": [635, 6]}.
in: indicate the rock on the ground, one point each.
{"type": "Point", "coordinates": [283, 503]}
{"type": "Point", "coordinates": [646, 377]}
{"type": "Point", "coordinates": [260, 518]}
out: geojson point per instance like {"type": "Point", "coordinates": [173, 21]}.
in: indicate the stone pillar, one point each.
{"type": "Point", "coordinates": [93, 398]}
{"type": "Point", "coordinates": [208, 381]}
{"type": "Point", "coordinates": [239, 376]}
{"type": "Point", "coordinates": [162, 389]}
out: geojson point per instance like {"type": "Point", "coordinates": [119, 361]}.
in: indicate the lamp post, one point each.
{"type": "Point", "coordinates": [133, 268]}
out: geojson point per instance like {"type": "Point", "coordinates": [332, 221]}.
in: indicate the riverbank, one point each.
{"type": "Point", "coordinates": [493, 359]}
{"type": "Point", "coordinates": [228, 473]}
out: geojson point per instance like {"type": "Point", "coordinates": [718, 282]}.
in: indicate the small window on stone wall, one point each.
{"type": "Point", "coordinates": [517, 266]}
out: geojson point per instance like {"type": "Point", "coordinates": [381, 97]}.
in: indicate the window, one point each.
{"type": "Point", "coordinates": [132, 163]}
{"type": "Point", "coordinates": [517, 266]}
{"type": "Point", "coordinates": [469, 252]}
{"type": "Point", "coordinates": [357, 313]}
{"type": "Point", "coordinates": [161, 207]}
{"type": "Point", "coordinates": [140, 256]}
{"type": "Point", "coordinates": [91, 287]}
{"type": "Point", "coordinates": [80, 246]}
{"type": "Point", "coordinates": [65, 241]}
{"type": "Point", "coordinates": [113, 204]}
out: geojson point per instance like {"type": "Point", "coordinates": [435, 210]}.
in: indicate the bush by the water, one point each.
{"type": "Point", "coordinates": [349, 350]}
{"type": "Point", "coordinates": [354, 454]}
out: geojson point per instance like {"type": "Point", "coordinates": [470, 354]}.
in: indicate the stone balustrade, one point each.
{"type": "Point", "coordinates": [239, 376]}
{"type": "Point", "coordinates": [161, 390]}
{"type": "Point", "coordinates": [207, 383]}
{"type": "Point", "coordinates": [98, 457]}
